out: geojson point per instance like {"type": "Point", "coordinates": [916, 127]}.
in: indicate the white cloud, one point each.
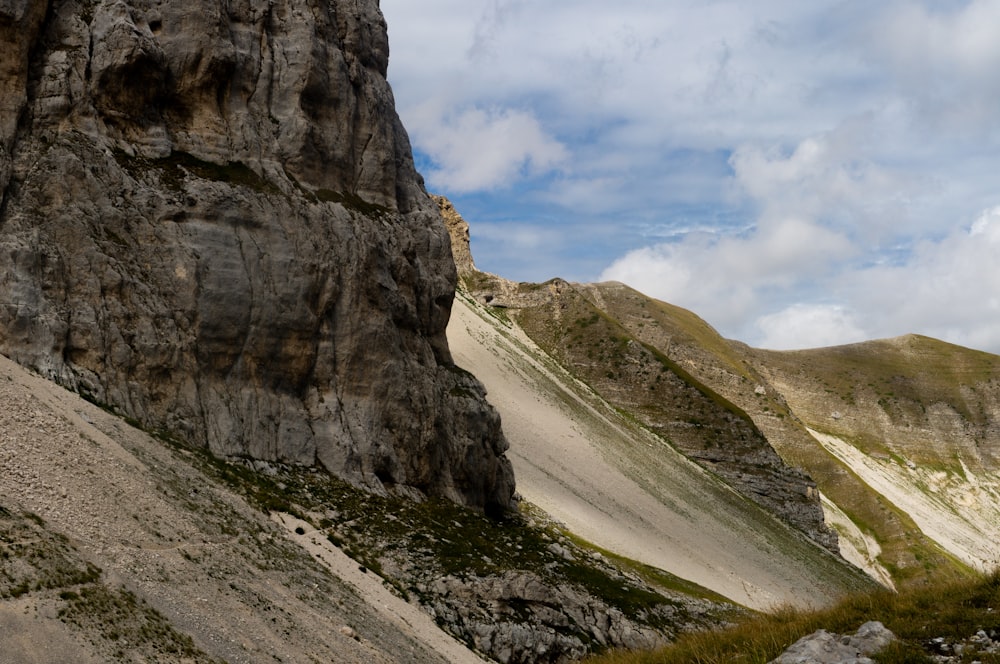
{"type": "Point", "coordinates": [479, 149]}
{"type": "Point", "coordinates": [856, 141]}
{"type": "Point", "coordinates": [808, 325]}
{"type": "Point", "coordinates": [831, 177]}
{"type": "Point", "coordinates": [660, 271]}
{"type": "Point", "coordinates": [936, 43]}
{"type": "Point", "coordinates": [727, 278]}
{"type": "Point", "coordinates": [987, 226]}
{"type": "Point", "coordinates": [945, 62]}
{"type": "Point", "coordinates": [948, 289]}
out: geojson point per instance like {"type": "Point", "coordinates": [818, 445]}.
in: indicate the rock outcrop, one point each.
{"type": "Point", "coordinates": [458, 231]}
{"type": "Point", "coordinates": [211, 222]}
{"type": "Point", "coordinates": [823, 647]}
{"type": "Point", "coordinates": [518, 618]}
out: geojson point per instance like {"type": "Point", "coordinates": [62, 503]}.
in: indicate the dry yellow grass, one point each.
{"type": "Point", "coordinates": [953, 611]}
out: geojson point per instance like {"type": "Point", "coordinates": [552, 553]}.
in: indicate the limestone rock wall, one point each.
{"type": "Point", "coordinates": [211, 221]}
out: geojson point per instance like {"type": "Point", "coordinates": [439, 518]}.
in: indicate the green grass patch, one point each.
{"type": "Point", "coordinates": [952, 611]}
{"type": "Point", "coordinates": [127, 624]}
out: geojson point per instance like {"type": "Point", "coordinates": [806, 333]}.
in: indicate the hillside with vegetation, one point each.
{"type": "Point", "coordinates": [885, 452]}
{"type": "Point", "coordinates": [243, 418]}
{"type": "Point", "coordinates": [945, 623]}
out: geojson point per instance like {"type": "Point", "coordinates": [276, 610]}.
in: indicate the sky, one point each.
{"type": "Point", "coordinates": [799, 174]}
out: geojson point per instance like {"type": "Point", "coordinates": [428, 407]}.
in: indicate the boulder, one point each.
{"type": "Point", "coordinates": [823, 647]}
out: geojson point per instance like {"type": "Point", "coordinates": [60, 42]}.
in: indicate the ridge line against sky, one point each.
{"type": "Point", "coordinates": [798, 174]}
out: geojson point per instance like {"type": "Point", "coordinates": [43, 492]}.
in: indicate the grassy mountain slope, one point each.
{"type": "Point", "coordinates": [916, 419]}
{"type": "Point", "coordinates": [909, 395]}
{"type": "Point", "coordinates": [897, 440]}
{"type": "Point", "coordinates": [787, 395]}
{"type": "Point", "coordinates": [596, 466]}
{"type": "Point", "coordinates": [683, 382]}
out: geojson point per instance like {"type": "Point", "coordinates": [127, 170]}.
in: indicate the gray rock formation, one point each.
{"type": "Point", "coordinates": [518, 618]}
{"type": "Point", "coordinates": [823, 647]}
{"type": "Point", "coordinates": [211, 222]}
{"type": "Point", "coordinates": [458, 232]}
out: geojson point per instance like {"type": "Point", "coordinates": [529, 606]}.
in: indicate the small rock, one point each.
{"type": "Point", "coordinates": [561, 551]}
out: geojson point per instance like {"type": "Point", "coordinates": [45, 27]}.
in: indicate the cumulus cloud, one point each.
{"type": "Point", "coordinates": [804, 325]}
{"type": "Point", "coordinates": [727, 278]}
{"type": "Point", "coordinates": [834, 158]}
{"type": "Point", "coordinates": [823, 176]}
{"type": "Point", "coordinates": [477, 149]}
{"type": "Point", "coordinates": [948, 288]}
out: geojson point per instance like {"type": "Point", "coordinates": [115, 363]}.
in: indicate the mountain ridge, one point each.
{"type": "Point", "coordinates": [620, 486]}
{"type": "Point", "coordinates": [593, 331]}
{"type": "Point", "coordinates": [236, 262]}
{"type": "Point", "coordinates": [901, 520]}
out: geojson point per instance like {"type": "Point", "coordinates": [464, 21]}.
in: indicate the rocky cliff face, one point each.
{"type": "Point", "coordinates": [211, 221]}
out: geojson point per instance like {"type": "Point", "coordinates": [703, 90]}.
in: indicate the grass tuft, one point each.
{"type": "Point", "coordinates": [951, 611]}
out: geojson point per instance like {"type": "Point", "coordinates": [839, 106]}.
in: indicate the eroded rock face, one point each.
{"type": "Point", "coordinates": [211, 221]}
